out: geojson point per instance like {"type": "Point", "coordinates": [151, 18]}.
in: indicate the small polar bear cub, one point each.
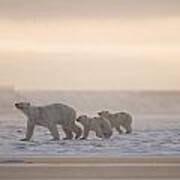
{"type": "Point", "coordinates": [50, 116]}
{"type": "Point", "coordinates": [117, 120]}
{"type": "Point", "coordinates": [99, 125]}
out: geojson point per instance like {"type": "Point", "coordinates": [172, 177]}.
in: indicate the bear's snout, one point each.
{"type": "Point", "coordinates": [16, 105]}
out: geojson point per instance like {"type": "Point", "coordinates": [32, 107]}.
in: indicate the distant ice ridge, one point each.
{"type": "Point", "coordinates": [137, 102]}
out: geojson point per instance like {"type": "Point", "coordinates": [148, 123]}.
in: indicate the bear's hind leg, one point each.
{"type": "Point", "coordinates": [77, 130]}
{"type": "Point", "coordinates": [118, 129]}
{"type": "Point", "coordinates": [99, 133]}
{"type": "Point", "coordinates": [68, 133]}
{"type": "Point", "coordinates": [85, 133]}
{"type": "Point", "coordinates": [128, 129]}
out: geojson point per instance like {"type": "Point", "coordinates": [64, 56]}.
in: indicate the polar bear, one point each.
{"type": "Point", "coordinates": [99, 125]}
{"type": "Point", "coordinates": [50, 116]}
{"type": "Point", "coordinates": [118, 119]}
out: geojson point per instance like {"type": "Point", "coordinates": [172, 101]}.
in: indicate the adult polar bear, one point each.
{"type": "Point", "coordinates": [117, 120]}
{"type": "Point", "coordinates": [50, 116]}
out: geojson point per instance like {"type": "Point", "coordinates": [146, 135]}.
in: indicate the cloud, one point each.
{"type": "Point", "coordinates": [21, 9]}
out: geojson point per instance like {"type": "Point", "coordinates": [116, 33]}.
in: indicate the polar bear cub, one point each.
{"type": "Point", "coordinates": [117, 120]}
{"type": "Point", "coordinates": [50, 116]}
{"type": "Point", "coordinates": [99, 125]}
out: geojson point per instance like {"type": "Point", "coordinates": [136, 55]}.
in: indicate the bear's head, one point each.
{"type": "Point", "coordinates": [82, 119]}
{"type": "Point", "coordinates": [103, 113]}
{"type": "Point", "coordinates": [22, 105]}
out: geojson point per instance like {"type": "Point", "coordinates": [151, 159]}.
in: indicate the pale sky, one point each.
{"type": "Point", "coordinates": [90, 44]}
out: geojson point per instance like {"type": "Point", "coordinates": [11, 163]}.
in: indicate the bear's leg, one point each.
{"type": "Point", "coordinates": [127, 124]}
{"type": "Point", "coordinates": [54, 131]}
{"type": "Point", "coordinates": [85, 133]}
{"type": "Point", "coordinates": [77, 130]}
{"type": "Point", "coordinates": [106, 129]}
{"type": "Point", "coordinates": [99, 133]}
{"type": "Point", "coordinates": [128, 129]}
{"type": "Point", "coordinates": [118, 129]}
{"type": "Point", "coordinates": [29, 131]}
{"type": "Point", "coordinates": [68, 133]}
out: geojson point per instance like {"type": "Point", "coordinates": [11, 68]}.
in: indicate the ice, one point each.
{"type": "Point", "coordinates": [140, 142]}
{"type": "Point", "coordinates": [156, 124]}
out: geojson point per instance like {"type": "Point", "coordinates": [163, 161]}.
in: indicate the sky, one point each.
{"type": "Point", "coordinates": [90, 44]}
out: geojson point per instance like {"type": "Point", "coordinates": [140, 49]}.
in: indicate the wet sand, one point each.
{"type": "Point", "coordinates": [46, 168]}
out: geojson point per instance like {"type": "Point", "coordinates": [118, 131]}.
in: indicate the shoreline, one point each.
{"type": "Point", "coordinates": [89, 167]}
{"type": "Point", "coordinates": [55, 159]}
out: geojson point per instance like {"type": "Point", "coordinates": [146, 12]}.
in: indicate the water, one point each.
{"type": "Point", "coordinates": [143, 141]}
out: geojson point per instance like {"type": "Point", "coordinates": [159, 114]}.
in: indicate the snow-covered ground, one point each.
{"type": "Point", "coordinates": [156, 123]}
{"type": "Point", "coordinates": [150, 137]}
